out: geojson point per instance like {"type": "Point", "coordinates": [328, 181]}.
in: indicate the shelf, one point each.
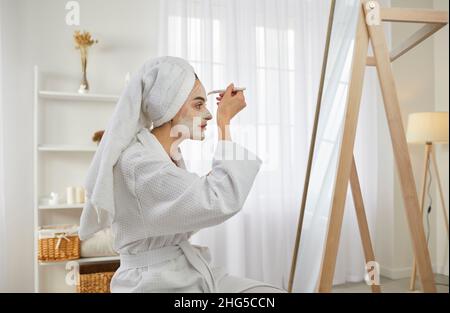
{"type": "Point", "coordinates": [57, 95]}
{"type": "Point", "coordinates": [47, 274]}
{"type": "Point", "coordinates": [61, 206]}
{"type": "Point", "coordinates": [67, 148]}
{"type": "Point", "coordinates": [82, 260]}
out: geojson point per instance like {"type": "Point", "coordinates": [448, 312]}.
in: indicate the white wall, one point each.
{"type": "Point", "coordinates": [36, 34]}
{"type": "Point", "coordinates": [415, 80]}
{"type": "Point", "coordinates": [422, 83]}
{"type": "Point", "coordinates": [441, 82]}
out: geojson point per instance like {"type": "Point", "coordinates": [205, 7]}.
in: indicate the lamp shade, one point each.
{"type": "Point", "coordinates": [428, 127]}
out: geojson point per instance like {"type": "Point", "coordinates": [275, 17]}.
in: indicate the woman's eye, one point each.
{"type": "Point", "coordinates": [199, 105]}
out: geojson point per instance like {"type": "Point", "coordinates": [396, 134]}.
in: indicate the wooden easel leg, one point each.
{"type": "Point", "coordinates": [345, 158]}
{"type": "Point", "coordinates": [362, 219]}
{"type": "Point", "coordinates": [392, 107]}
{"type": "Point", "coordinates": [412, 283]}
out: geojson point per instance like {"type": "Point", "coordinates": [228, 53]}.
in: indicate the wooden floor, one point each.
{"type": "Point", "coordinates": [389, 285]}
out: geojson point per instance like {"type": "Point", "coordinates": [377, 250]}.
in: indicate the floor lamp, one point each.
{"type": "Point", "coordinates": [428, 128]}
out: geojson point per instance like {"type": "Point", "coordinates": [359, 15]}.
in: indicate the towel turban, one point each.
{"type": "Point", "coordinates": [153, 96]}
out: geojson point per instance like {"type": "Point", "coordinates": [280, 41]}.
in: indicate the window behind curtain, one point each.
{"type": "Point", "coordinates": [188, 29]}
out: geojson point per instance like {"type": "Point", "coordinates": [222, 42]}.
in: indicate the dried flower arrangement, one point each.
{"type": "Point", "coordinates": [82, 42]}
{"type": "Point", "coordinates": [98, 136]}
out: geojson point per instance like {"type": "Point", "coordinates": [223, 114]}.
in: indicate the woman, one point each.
{"type": "Point", "coordinates": [138, 183]}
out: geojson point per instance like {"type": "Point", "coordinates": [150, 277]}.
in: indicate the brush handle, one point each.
{"type": "Point", "coordinates": [223, 90]}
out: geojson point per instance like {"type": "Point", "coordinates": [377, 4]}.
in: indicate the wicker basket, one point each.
{"type": "Point", "coordinates": [96, 278]}
{"type": "Point", "coordinates": [58, 243]}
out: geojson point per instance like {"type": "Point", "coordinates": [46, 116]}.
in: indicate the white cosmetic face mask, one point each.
{"type": "Point", "coordinates": [192, 122]}
{"type": "Point", "coordinates": [187, 128]}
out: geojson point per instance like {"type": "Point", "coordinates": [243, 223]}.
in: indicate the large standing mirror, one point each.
{"type": "Point", "coordinates": [325, 143]}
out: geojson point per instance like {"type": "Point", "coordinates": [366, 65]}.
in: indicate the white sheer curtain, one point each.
{"type": "Point", "coordinates": [2, 174]}
{"type": "Point", "coordinates": [275, 49]}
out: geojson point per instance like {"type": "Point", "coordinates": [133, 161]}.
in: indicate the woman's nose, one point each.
{"type": "Point", "coordinates": [208, 116]}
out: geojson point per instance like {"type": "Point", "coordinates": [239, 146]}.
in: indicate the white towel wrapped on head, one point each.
{"type": "Point", "coordinates": [153, 96]}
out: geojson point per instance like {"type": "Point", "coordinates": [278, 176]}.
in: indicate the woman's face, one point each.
{"type": "Point", "coordinates": [191, 119]}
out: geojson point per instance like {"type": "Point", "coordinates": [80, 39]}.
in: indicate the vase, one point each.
{"type": "Point", "coordinates": [84, 85]}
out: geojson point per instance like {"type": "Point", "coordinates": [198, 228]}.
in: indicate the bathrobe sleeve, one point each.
{"type": "Point", "coordinates": [173, 200]}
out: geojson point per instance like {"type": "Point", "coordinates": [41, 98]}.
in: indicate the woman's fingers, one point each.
{"type": "Point", "coordinates": [228, 91]}
{"type": "Point", "coordinates": [223, 93]}
{"type": "Point", "coordinates": [233, 93]}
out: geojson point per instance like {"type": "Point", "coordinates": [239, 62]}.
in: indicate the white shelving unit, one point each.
{"type": "Point", "coordinates": [60, 207]}
{"type": "Point", "coordinates": [82, 261]}
{"type": "Point", "coordinates": [62, 153]}
{"type": "Point", "coordinates": [67, 148]}
{"type": "Point", "coordinates": [57, 95]}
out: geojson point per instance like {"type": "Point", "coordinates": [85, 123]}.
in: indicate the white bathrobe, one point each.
{"type": "Point", "coordinates": [160, 205]}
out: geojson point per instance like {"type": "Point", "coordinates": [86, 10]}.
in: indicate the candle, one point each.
{"type": "Point", "coordinates": [70, 191]}
{"type": "Point", "coordinates": [79, 195]}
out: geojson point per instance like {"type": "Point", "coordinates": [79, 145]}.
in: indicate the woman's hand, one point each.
{"type": "Point", "coordinates": [230, 103]}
